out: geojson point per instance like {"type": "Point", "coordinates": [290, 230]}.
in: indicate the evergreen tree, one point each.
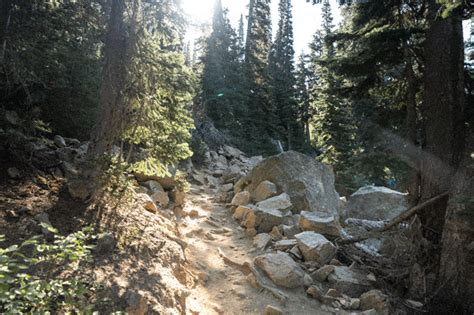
{"type": "Point", "coordinates": [281, 68]}
{"type": "Point", "coordinates": [260, 117]}
{"type": "Point", "coordinates": [241, 39]}
{"type": "Point", "coordinates": [221, 76]}
{"type": "Point", "coordinates": [303, 79]}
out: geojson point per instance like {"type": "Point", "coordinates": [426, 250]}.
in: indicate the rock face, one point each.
{"type": "Point", "coordinates": [309, 183]}
{"type": "Point", "coordinates": [283, 270]}
{"type": "Point", "coordinates": [326, 225]}
{"type": "Point", "coordinates": [281, 203]}
{"type": "Point", "coordinates": [264, 190]}
{"type": "Point", "coordinates": [376, 203]}
{"type": "Point", "coordinates": [315, 247]}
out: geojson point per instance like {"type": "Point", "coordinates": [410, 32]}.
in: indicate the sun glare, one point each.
{"type": "Point", "coordinates": [198, 10]}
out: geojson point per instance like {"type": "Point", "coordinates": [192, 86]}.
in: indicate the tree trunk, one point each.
{"type": "Point", "coordinates": [111, 102]}
{"type": "Point", "coordinates": [442, 111]}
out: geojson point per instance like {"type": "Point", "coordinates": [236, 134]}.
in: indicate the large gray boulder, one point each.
{"type": "Point", "coordinates": [376, 203]}
{"type": "Point", "coordinates": [349, 281]}
{"type": "Point", "coordinates": [309, 184]}
{"type": "Point", "coordinates": [282, 269]}
{"type": "Point", "coordinates": [315, 247]}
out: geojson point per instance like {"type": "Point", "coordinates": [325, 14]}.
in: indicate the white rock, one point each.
{"type": "Point", "coordinates": [376, 203]}
{"type": "Point", "coordinates": [322, 224]}
{"type": "Point", "coordinates": [59, 141]}
{"type": "Point", "coordinates": [281, 202]}
{"type": "Point", "coordinates": [281, 269]}
{"type": "Point", "coordinates": [264, 190]}
{"type": "Point", "coordinates": [315, 247]}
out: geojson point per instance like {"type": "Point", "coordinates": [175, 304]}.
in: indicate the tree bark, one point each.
{"type": "Point", "coordinates": [111, 102]}
{"type": "Point", "coordinates": [442, 112]}
{"type": "Point", "coordinates": [5, 16]}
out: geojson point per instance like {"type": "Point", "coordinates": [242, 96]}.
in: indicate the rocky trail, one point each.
{"type": "Point", "coordinates": [251, 236]}
{"type": "Point", "coordinates": [224, 288]}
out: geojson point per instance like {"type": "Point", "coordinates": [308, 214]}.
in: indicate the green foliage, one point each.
{"type": "Point", "coordinates": [52, 63]}
{"type": "Point", "coordinates": [37, 277]}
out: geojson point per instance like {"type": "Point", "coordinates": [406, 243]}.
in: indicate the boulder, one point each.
{"type": "Point", "coordinates": [241, 199]}
{"type": "Point", "coordinates": [227, 187]}
{"type": "Point", "coordinates": [167, 183]}
{"type": "Point", "coordinates": [161, 198]}
{"type": "Point", "coordinates": [281, 269]}
{"type": "Point", "coordinates": [281, 202]}
{"type": "Point", "coordinates": [349, 281]}
{"type": "Point", "coordinates": [264, 190]}
{"type": "Point", "coordinates": [309, 184]}
{"type": "Point", "coordinates": [376, 203]}
{"type": "Point", "coordinates": [105, 244]}
{"type": "Point", "coordinates": [241, 212]}
{"type": "Point", "coordinates": [265, 219]}
{"type": "Point", "coordinates": [231, 174]}
{"type": "Point", "coordinates": [262, 240]}
{"type": "Point", "coordinates": [315, 247]}
{"type": "Point", "coordinates": [231, 152]}
{"type": "Point", "coordinates": [322, 224]}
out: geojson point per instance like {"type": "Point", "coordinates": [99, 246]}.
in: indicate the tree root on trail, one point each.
{"type": "Point", "coordinates": [247, 269]}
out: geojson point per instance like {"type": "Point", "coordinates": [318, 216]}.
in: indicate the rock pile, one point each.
{"type": "Point", "coordinates": [290, 203]}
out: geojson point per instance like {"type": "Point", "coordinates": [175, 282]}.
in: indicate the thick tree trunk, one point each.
{"type": "Point", "coordinates": [111, 103]}
{"type": "Point", "coordinates": [442, 111]}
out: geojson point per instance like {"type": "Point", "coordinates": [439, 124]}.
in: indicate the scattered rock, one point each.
{"type": "Point", "coordinates": [105, 244]}
{"type": "Point", "coordinates": [309, 184]}
{"type": "Point", "coordinates": [251, 232]}
{"type": "Point", "coordinates": [281, 269]}
{"type": "Point", "coordinates": [290, 230]}
{"type": "Point", "coordinates": [262, 240]}
{"type": "Point", "coordinates": [241, 199]}
{"type": "Point", "coordinates": [276, 233]}
{"type": "Point", "coordinates": [376, 203]}
{"type": "Point", "coordinates": [374, 299]}
{"type": "Point", "coordinates": [14, 173]}
{"type": "Point", "coordinates": [265, 219]}
{"type": "Point", "coordinates": [316, 292]}
{"type": "Point", "coordinates": [272, 310]}
{"type": "Point", "coordinates": [59, 141]}
{"type": "Point", "coordinates": [227, 187]}
{"type": "Point", "coordinates": [281, 202]}
{"type": "Point", "coordinates": [193, 214]}
{"type": "Point", "coordinates": [161, 198]}
{"type": "Point", "coordinates": [322, 273]}
{"type": "Point", "coordinates": [284, 245]}
{"type": "Point", "coordinates": [307, 280]}
{"type": "Point", "coordinates": [326, 225]}
{"type": "Point", "coordinates": [241, 212]}
{"type": "Point", "coordinates": [264, 190]}
{"type": "Point", "coordinates": [295, 251]}
{"type": "Point", "coordinates": [348, 281]}
{"type": "Point", "coordinates": [44, 219]}
{"type": "Point", "coordinates": [315, 247]}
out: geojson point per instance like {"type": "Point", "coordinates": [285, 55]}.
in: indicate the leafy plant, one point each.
{"type": "Point", "coordinates": [38, 277]}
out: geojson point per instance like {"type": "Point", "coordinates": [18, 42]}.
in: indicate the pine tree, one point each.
{"type": "Point", "coordinates": [220, 96]}
{"type": "Point", "coordinates": [303, 79]}
{"type": "Point", "coordinates": [260, 117]}
{"type": "Point", "coordinates": [241, 38]}
{"type": "Point", "coordinates": [281, 68]}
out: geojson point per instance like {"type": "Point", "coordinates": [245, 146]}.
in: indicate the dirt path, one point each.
{"type": "Point", "coordinates": [223, 289]}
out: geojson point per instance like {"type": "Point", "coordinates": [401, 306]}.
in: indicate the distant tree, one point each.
{"type": "Point", "coordinates": [282, 74]}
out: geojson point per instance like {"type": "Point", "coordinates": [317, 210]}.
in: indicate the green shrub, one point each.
{"type": "Point", "coordinates": [37, 277]}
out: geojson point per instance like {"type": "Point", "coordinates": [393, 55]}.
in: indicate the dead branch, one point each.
{"type": "Point", "coordinates": [395, 221]}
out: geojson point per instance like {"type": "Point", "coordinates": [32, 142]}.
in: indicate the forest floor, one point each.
{"type": "Point", "coordinates": [226, 289]}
